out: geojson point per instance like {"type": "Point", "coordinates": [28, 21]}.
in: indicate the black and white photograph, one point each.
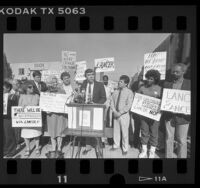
{"type": "Point", "coordinates": [96, 95]}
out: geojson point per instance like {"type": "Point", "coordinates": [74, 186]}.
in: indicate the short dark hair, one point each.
{"type": "Point", "coordinates": [8, 85]}
{"type": "Point", "coordinates": [105, 76]}
{"type": "Point", "coordinates": [153, 73]}
{"type": "Point", "coordinates": [125, 78]}
{"type": "Point", "coordinates": [64, 74]}
{"type": "Point", "coordinates": [37, 73]}
{"type": "Point", "coordinates": [88, 71]}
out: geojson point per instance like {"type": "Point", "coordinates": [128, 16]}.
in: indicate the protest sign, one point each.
{"type": "Point", "coordinates": [80, 70]}
{"type": "Point", "coordinates": [105, 64]}
{"type": "Point", "coordinates": [68, 60]}
{"type": "Point", "coordinates": [52, 102]}
{"type": "Point", "coordinates": [176, 101]}
{"type": "Point", "coordinates": [156, 61]}
{"type": "Point", "coordinates": [146, 106]}
{"type": "Point", "coordinates": [29, 116]}
{"type": "Point", "coordinates": [46, 74]}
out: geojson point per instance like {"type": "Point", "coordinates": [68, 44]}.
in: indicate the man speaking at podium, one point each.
{"type": "Point", "coordinates": [94, 92]}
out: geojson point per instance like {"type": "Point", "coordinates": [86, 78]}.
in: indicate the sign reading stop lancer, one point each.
{"type": "Point", "coordinates": [105, 64]}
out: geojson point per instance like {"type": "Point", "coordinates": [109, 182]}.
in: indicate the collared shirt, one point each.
{"type": "Point", "coordinates": [37, 84]}
{"type": "Point", "coordinates": [177, 84]}
{"type": "Point", "coordinates": [87, 91]}
{"type": "Point", "coordinates": [125, 102]}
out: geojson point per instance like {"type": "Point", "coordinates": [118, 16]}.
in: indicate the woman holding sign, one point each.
{"type": "Point", "coordinates": [30, 99]}
{"type": "Point", "coordinates": [149, 127]}
{"type": "Point", "coordinates": [57, 122]}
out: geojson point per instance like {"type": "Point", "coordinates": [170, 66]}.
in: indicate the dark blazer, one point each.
{"type": "Point", "coordinates": [35, 89]}
{"type": "Point", "coordinates": [178, 119]}
{"type": "Point", "coordinates": [99, 94]}
{"type": "Point", "coordinates": [12, 101]}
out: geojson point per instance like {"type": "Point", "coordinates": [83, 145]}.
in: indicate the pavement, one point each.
{"type": "Point", "coordinates": [67, 150]}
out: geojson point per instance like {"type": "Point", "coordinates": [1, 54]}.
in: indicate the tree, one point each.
{"type": "Point", "coordinates": [7, 71]}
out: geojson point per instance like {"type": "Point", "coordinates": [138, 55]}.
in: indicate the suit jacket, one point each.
{"type": "Point", "coordinates": [99, 94]}
{"type": "Point", "coordinates": [12, 101]}
{"type": "Point", "coordinates": [43, 87]}
{"type": "Point", "coordinates": [178, 119]}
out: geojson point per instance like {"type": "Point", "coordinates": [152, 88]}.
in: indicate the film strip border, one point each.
{"type": "Point", "coordinates": [35, 23]}
{"type": "Point", "coordinates": [94, 171]}
{"type": "Point", "coordinates": [123, 19]}
{"type": "Point", "coordinates": [113, 19]}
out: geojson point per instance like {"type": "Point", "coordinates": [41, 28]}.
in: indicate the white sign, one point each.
{"type": "Point", "coordinates": [69, 59]}
{"type": "Point", "coordinates": [105, 64]}
{"type": "Point", "coordinates": [52, 102]}
{"type": "Point", "coordinates": [46, 74]}
{"type": "Point", "coordinates": [177, 101]}
{"type": "Point", "coordinates": [84, 118]}
{"type": "Point", "coordinates": [80, 70]}
{"type": "Point", "coordinates": [29, 116]}
{"type": "Point", "coordinates": [146, 106]}
{"type": "Point", "coordinates": [156, 61]}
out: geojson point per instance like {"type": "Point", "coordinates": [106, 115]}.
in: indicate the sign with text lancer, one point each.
{"type": "Point", "coordinates": [29, 116]}
{"type": "Point", "coordinates": [69, 60]}
{"type": "Point", "coordinates": [146, 106]}
{"type": "Point", "coordinates": [176, 101]}
{"type": "Point", "coordinates": [157, 61]}
{"type": "Point", "coordinates": [105, 64]}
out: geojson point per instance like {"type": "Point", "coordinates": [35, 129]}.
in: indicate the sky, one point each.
{"type": "Point", "coordinates": [127, 49]}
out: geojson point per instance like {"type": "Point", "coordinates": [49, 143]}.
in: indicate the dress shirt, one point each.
{"type": "Point", "coordinates": [87, 91]}
{"type": "Point", "coordinates": [126, 100]}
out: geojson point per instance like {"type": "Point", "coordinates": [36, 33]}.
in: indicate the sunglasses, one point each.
{"type": "Point", "coordinates": [30, 87]}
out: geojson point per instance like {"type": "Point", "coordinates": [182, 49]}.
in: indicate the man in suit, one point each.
{"type": "Point", "coordinates": [94, 93]}
{"type": "Point", "coordinates": [9, 100]}
{"type": "Point", "coordinates": [177, 124]}
{"type": "Point", "coordinates": [38, 85]}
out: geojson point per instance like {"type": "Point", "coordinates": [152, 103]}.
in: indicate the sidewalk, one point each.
{"type": "Point", "coordinates": [67, 150]}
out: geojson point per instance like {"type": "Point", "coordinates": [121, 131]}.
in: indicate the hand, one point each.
{"type": "Point", "coordinates": [116, 114]}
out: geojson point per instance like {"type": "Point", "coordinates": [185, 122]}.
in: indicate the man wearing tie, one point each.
{"type": "Point", "coordinates": [38, 85]}
{"type": "Point", "coordinates": [121, 102]}
{"type": "Point", "coordinates": [94, 93]}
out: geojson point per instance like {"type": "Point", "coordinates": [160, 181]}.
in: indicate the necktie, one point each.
{"type": "Point", "coordinates": [90, 93]}
{"type": "Point", "coordinates": [39, 87]}
{"type": "Point", "coordinates": [118, 99]}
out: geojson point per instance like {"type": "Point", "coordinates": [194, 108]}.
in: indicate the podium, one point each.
{"type": "Point", "coordinates": [86, 120]}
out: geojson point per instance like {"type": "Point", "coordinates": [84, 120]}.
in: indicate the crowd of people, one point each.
{"type": "Point", "coordinates": [118, 102]}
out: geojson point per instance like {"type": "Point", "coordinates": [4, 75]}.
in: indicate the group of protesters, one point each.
{"type": "Point", "coordinates": [118, 102]}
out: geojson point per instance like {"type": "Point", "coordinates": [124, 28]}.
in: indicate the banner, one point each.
{"type": "Point", "coordinates": [80, 70]}
{"type": "Point", "coordinates": [146, 106]}
{"type": "Point", "coordinates": [105, 64]}
{"type": "Point", "coordinates": [52, 102]}
{"type": "Point", "coordinates": [46, 74]}
{"type": "Point", "coordinates": [68, 60]}
{"type": "Point", "coordinates": [29, 116]}
{"type": "Point", "coordinates": [157, 61]}
{"type": "Point", "coordinates": [176, 101]}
